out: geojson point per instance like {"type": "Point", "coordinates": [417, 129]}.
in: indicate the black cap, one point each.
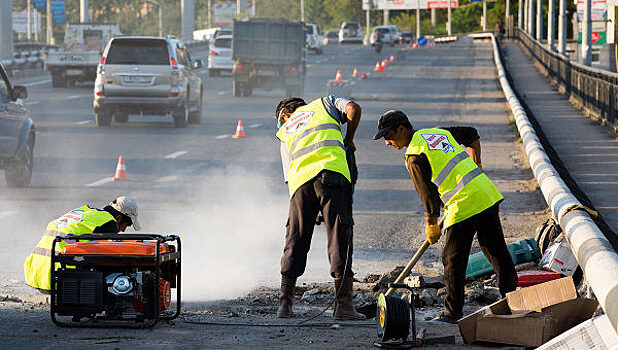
{"type": "Point", "coordinates": [389, 120]}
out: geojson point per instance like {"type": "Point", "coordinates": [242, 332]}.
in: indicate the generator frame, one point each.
{"type": "Point", "coordinates": [118, 260]}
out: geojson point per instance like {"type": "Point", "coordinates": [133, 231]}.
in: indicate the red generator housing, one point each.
{"type": "Point", "coordinates": [115, 280]}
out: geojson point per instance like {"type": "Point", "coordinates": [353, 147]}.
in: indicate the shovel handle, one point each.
{"type": "Point", "coordinates": [409, 267]}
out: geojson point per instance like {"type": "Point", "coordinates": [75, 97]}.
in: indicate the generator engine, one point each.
{"type": "Point", "coordinates": [124, 280]}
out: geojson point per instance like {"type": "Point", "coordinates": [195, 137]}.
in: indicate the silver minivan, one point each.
{"type": "Point", "coordinates": [147, 75]}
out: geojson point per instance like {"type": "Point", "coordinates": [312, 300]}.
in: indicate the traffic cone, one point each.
{"type": "Point", "coordinates": [240, 131]}
{"type": "Point", "coordinates": [382, 66]}
{"type": "Point", "coordinates": [355, 73]}
{"type": "Point", "coordinates": [414, 46]}
{"type": "Point", "coordinates": [338, 76]}
{"type": "Point", "coordinates": [408, 48]}
{"type": "Point", "coordinates": [392, 59]}
{"type": "Point", "coordinates": [121, 171]}
{"type": "Point", "coordinates": [377, 68]}
{"type": "Point", "coordinates": [364, 75]}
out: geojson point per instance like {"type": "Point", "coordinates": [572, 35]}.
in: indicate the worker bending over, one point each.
{"type": "Point", "coordinates": [445, 175]}
{"type": "Point", "coordinates": [114, 218]}
{"type": "Point", "coordinates": [316, 170]}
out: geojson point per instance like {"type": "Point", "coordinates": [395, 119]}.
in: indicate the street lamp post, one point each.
{"type": "Point", "coordinates": [160, 15]}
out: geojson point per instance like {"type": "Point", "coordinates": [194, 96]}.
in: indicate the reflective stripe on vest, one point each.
{"type": "Point", "coordinates": [463, 187]}
{"type": "Point", "coordinates": [83, 220]}
{"type": "Point", "coordinates": [313, 139]}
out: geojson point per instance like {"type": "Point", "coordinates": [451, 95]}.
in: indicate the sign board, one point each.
{"type": "Point", "coordinates": [57, 7]}
{"type": "Point", "coordinates": [407, 4]}
{"type": "Point", "coordinates": [599, 21]}
{"type": "Point", "coordinates": [39, 4]}
{"type": "Point", "coordinates": [225, 11]}
{"type": "Point", "coordinates": [20, 22]}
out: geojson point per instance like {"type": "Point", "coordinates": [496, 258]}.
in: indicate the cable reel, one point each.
{"type": "Point", "coordinates": [395, 320]}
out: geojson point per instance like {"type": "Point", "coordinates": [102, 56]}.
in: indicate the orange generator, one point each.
{"type": "Point", "coordinates": [115, 280]}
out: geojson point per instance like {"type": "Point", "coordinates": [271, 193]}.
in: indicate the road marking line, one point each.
{"type": "Point", "coordinates": [221, 93]}
{"type": "Point", "coordinates": [32, 103]}
{"type": "Point", "coordinates": [40, 82]}
{"type": "Point", "coordinates": [5, 214]}
{"type": "Point", "coordinates": [169, 178]}
{"type": "Point", "coordinates": [100, 182]}
{"type": "Point", "coordinates": [175, 154]}
{"type": "Point", "coordinates": [83, 122]}
{"type": "Point", "coordinates": [73, 97]}
{"type": "Point", "coordinates": [253, 126]}
{"type": "Point", "coordinates": [222, 136]}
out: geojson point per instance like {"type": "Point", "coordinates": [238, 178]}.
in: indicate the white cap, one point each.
{"type": "Point", "coordinates": [127, 206]}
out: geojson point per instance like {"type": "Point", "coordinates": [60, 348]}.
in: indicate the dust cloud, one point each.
{"type": "Point", "coordinates": [232, 230]}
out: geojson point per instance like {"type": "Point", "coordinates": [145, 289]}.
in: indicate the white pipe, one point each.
{"type": "Point", "coordinates": [594, 253]}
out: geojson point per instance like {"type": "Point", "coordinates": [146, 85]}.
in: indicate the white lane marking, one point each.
{"type": "Point", "coordinates": [175, 154]}
{"type": "Point", "coordinates": [35, 83]}
{"type": "Point", "coordinates": [83, 122]}
{"type": "Point", "coordinates": [32, 103]}
{"type": "Point", "coordinates": [100, 182]}
{"type": "Point", "coordinates": [221, 93]}
{"type": "Point", "coordinates": [253, 126]}
{"type": "Point", "coordinates": [222, 136]}
{"type": "Point", "coordinates": [310, 65]}
{"type": "Point", "coordinates": [73, 97]}
{"type": "Point", "coordinates": [169, 178]}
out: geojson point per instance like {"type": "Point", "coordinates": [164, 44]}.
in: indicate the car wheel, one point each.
{"type": "Point", "coordinates": [195, 117]}
{"type": "Point", "coordinates": [121, 117]}
{"type": "Point", "coordinates": [102, 118]}
{"type": "Point", "coordinates": [18, 173]}
{"type": "Point", "coordinates": [180, 116]}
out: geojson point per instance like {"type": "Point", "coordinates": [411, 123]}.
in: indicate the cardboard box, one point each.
{"type": "Point", "coordinates": [538, 313]}
{"type": "Point", "coordinates": [596, 333]}
{"type": "Point", "coordinates": [560, 258]}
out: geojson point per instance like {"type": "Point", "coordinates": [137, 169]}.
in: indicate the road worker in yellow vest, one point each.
{"type": "Point", "coordinates": [114, 218]}
{"type": "Point", "coordinates": [449, 176]}
{"type": "Point", "coordinates": [313, 154]}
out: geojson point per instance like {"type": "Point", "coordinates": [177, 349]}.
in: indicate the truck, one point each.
{"type": "Point", "coordinates": [268, 53]}
{"type": "Point", "coordinates": [81, 53]}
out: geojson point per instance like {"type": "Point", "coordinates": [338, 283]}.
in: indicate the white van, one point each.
{"type": "Point", "coordinates": [388, 35]}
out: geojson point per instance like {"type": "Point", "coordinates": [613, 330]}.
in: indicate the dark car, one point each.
{"type": "Point", "coordinates": [17, 134]}
{"type": "Point", "coordinates": [407, 38]}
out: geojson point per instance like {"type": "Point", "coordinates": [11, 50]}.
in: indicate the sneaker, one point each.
{"type": "Point", "coordinates": [444, 318]}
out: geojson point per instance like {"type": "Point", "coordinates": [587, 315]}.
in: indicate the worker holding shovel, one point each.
{"type": "Point", "coordinates": [445, 175]}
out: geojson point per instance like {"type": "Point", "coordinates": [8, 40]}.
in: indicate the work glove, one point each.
{"type": "Point", "coordinates": [433, 232]}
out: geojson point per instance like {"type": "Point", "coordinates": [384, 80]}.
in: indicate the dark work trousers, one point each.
{"type": "Point", "coordinates": [457, 250]}
{"type": "Point", "coordinates": [332, 195]}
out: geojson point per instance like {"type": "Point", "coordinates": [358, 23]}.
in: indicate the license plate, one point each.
{"type": "Point", "coordinates": [74, 72]}
{"type": "Point", "coordinates": [136, 79]}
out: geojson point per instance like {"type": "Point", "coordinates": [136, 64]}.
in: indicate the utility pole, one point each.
{"type": "Point", "coordinates": [484, 15]}
{"type": "Point", "coordinates": [418, 20]}
{"type": "Point", "coordinates": [507, 15]}
{"type": "Point", "coordinates": [50, 24]}
{"type": "Point", "coordinates": [520, 15]}
{"type": "Point", "coordinates": [449, 24]}
{"type": "Point", "coordinates": [562, 28]}
{"type": "Point", "coordinates": [367, 24]}
{"type": "Point", "coordinates": [6, 30]}
{"type": "Point", "coordinates": [302, 10]}
{"type": "Point", "coordinates": [434, 18]}
{"type": "Point", "coordinates": [83, 11]}
{"type": "Point", "coordinates": [550, 26]}
{"type": "Point", "coordinates": [29, 19]}
{"type": "Point", "coordinates": [187, 13]}
{"type": "Point", "coordinates": [539, 21]}
{"type": "Point", "coordinates": [587, 34]}
{"type": "Point", "coordinates": [386, 19]}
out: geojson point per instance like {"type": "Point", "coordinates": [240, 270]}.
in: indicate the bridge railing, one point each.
{"type": "Point", "coordinates": [593, 90]}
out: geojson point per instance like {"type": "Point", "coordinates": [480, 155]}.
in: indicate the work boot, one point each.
{"type": "Point", "coordinates": [344, 309]}
{"type": "Point", "coordinates": [286, 297]}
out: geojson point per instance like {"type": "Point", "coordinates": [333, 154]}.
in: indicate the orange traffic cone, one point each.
{"type": "Point", "coordinates": [121, 171]}
{"type": "Point", "coordinates": [382, 66]}
{"type": "Point", "coordinates": [364, 75]}
{"type": "Point", "coordinates": [355, 73]}
{"type": "Point", "coordinates": [338, 76]}
{"type": "Point", "coordinates": [392, 59]}
{"type": "Point", "coordinates": [377, 68]}
{"type": "Point", "coordinates": [408, 48]}
{"type": "Point", "coordinates": [414, 46]}
{"type": "Point", "coordinates": [240, 131]}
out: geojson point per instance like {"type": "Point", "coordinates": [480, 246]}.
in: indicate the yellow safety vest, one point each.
{"type": "Point", "coordinates": [463, 187]}
{"type": "Point", "coordinates": [314, 142]}
{"type": "Point", "coordinates": [83, 220]}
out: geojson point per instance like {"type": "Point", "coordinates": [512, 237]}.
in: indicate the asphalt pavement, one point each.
{"type": "Point", "coordinates": [225, 197]}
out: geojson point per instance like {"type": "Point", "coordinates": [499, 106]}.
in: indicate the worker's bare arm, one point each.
{"type": "Point", "coordinates": [353, 113]}
{"type": "Point", "coordinates": [474, 150]}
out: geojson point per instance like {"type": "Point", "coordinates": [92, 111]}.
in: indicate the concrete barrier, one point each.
{"type": "Point", "coordinates": [593, 251]}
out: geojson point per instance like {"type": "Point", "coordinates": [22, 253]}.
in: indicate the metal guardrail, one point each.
{"type": "Point", "coordinates": [593, 90]}
{"type": "Point", "coordinates": [593, 251]}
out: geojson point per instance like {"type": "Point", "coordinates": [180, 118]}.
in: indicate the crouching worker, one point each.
{"type": "Point", "coordinates": [316, 170]}
{"type": "Point", "coordinates": [114, 218]}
